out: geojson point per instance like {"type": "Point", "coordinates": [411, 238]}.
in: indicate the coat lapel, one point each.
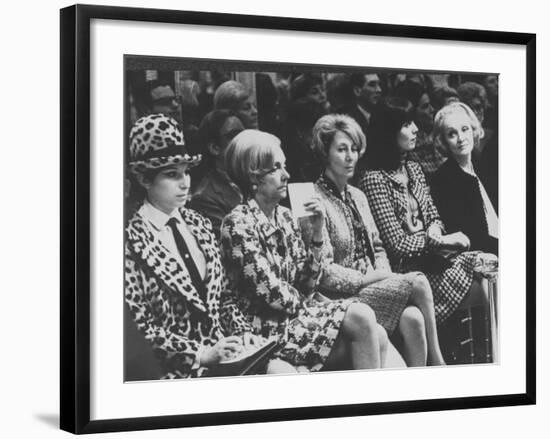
{"type": "Point", "coordinates": [399, 193]}
{"type": "Point", "coordinates": [208, 245]}
{"type": "Point", "coordinates": [154, 254]}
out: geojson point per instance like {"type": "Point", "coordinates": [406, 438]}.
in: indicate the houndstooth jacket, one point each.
{"type": "Point", "coordinates": [166, 306]}
{"type": "Point", "coordinates": [388, 200]}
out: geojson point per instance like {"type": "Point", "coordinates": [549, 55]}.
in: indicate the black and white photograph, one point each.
{"type": "Point", "coordinates": [274, 219]}
{"type": "Point", "coordinates": [293, 218]}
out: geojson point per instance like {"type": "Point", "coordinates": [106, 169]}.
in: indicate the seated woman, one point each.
{"type": "Point", "coordinates": [359, 265]}
{"type": "Point", "coordinates": [174, 279]}
{"type": "Point", "coordinates": [274, 275]}
{"type": "Point", "coordinates": [459, 194]}
{"type": "Point", "coordinates": [425, 153]}
{"type": "Point", "coordinates": [216, 195]}
{"type": "Point", "coordinates": [412, 231]}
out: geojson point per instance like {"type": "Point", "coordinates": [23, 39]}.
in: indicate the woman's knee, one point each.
{"type": "Point", "coordinates": [421, 288]}
{"type": "Point", "coordinates": [360, 318]}
{"type": "Point", "coordinates": [412, 321]}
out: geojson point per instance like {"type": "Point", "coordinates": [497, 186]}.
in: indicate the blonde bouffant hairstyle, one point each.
{"type": "Point", "coordinates": [249, 156]}
{"type": "Point", "coordinates": [438, 133]}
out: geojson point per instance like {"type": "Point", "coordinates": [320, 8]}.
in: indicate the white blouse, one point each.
{"type": "Point", "coordinates": [159, 220]}
{"type": "Point", "coordinates": [490, 213]}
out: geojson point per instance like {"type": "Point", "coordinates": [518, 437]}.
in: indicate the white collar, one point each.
{"type": "Point", "coordinates": [365, 112]}
{"type": "Point", "coordinates": [157, 217]}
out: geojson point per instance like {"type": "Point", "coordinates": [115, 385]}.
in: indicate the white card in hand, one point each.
{"type": "Point", "coordinates": [300, 193]}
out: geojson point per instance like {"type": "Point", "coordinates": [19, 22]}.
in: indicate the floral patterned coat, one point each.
{"type": "Point", "coordinates": [272, 279]}
{"type": "Point", "coordinates": [274, 276]}
{"type": "Point", "coordinates": [164, 303]}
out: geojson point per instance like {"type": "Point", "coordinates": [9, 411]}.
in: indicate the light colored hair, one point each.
{"type": "Point", "coordinates": [249, 156]}
{"type": "Point", "coordinates": [230, 95]}
{"type": "Point", "coordinates": [326, 128]}
{"type": "Point", "coordinates": [438, 132]}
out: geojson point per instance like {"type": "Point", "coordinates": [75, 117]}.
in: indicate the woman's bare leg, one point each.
{"type": "Point", "coordinates": [392, 359]}
{"type": "Point", "coordinates": [360, 339]}
{"type": "Point", "coordinates": [413, 332]}
{"type": "Point", "coordinates": [422, 298]}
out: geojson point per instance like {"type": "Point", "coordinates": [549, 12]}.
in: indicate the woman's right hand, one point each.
{"type": "Point", "coordinates": [456, 240]}
{"type": "Point", "coordinates": [224, 349]}
{"type": "Point", "coordinates": [434, 235]}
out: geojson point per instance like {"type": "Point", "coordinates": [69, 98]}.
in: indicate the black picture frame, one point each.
{"type": "Point", "coordinates": [75, 217]}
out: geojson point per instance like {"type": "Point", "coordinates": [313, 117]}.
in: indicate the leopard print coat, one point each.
{"type": "Point", "coordinates": [166, 306]}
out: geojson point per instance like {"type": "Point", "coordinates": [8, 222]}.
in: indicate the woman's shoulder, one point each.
{"type": "Point", "coordinates": [442, 175]}
{"type": "Point", "coordinates": [136, 225]}
{"type": "Point", "coordinates": [415, 167]}
{"type": "Point", "coordinates": [357, 195]}
{"type": "Point", "coordinates": [373, 178]}
{"type": "Point", "coordinates": [241, 212]}
{"type": "Point", "coordinates": [194, 217]}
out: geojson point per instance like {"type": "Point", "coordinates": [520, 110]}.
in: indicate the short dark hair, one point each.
{"type": "Point", "coordinates": [301, 85]}
{"type": "Point", "coordinates": [358, 79]}
{"type": "Point", "coordinates": [209, 129]}
{"type": "Point", "coordinates": [382, 148]}
{"type": "Point", "coordinates": [411, 91]}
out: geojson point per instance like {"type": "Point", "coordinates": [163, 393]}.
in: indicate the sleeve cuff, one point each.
{"type": "Point", "coordinates": [197, 363]}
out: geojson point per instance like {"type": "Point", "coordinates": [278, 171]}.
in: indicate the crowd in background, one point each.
{"type": "Point", "coordinates": [403, 208]}
{"type": "Point", "coordinates": [288, 105]}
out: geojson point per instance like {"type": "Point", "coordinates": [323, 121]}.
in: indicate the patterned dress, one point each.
{"type": "Point", "coordinates": [353, 248]}
{"type": "Point", "coordinates": [164, 303]}
{"type": "Point", "coordinates": [389, 201]}
{"type": "Point", "coordinates": [273, 276]}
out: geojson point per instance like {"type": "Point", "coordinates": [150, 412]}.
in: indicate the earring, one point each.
{"type": "Point", "coordinates": [254, 187]}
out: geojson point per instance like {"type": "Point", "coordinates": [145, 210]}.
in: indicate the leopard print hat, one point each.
{"type": "Point", "coordinates": [156, 141]}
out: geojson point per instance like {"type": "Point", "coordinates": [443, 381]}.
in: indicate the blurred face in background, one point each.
{"type": "Point", "coordinates": [425, 113]}
{"type": "Point", "coordinates": [371, 92]}
{"type": "Point", "coordinates": [478, 107]}
{"type": "Point", "coordinates": [248, 113]}
{"type": "Point", "coordinates": [165, 101]}
{"type": "Point", "coordinates": [230, 128]}
{"type": "Point", "coordinates": [317, 94]}
{"type": "Point", "coordinates": [491, 85]}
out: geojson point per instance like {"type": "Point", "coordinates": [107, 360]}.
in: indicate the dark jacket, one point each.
{"type": "Point", "coordinates": [457, 197]}
{"type": "Point", "coordinates": [215, 197]}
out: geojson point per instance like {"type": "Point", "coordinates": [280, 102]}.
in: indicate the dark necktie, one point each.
{"type": "Point", "coordinates": [187, 259]}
